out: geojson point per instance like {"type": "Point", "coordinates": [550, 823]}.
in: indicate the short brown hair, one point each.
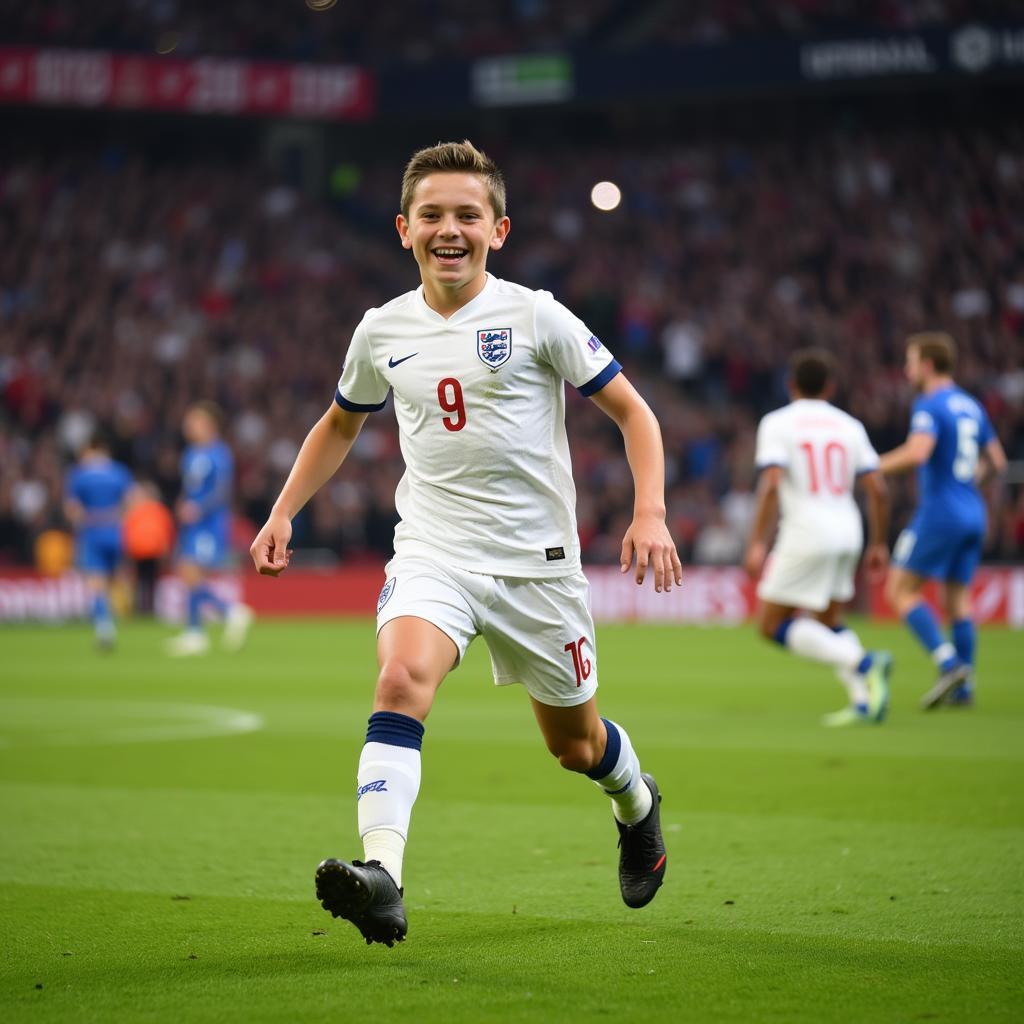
{"type": "Point", "coordinates": [937, 347]}
{"type": "Point", "coordinates": [810, 370]}
{"type": "Point", "coordinates": [461, 157]}
{"type": "Point", "coordinates": [209, 409]}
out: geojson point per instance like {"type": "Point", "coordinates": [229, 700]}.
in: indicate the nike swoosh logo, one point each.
{"type": "Point", "coordinates": [393, 362]}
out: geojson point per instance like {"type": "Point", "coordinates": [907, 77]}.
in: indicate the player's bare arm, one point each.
{"type": "Point", "coordinates": [766, 510]}
{"type": "Point", "coordinates": [323, 451]}
{"type": "Point", "coordinates": [647, 537]}
{"type": "Point", "coordinates": [914, 452]}
{"type": "Point", "coordinates": [74, 510]}
{"type": "Point", "coordinates": [188, 511]}
{"type": "Point", "coordinates": [992, 462]}
{"type": "Point", "coordinates": [876, 557]}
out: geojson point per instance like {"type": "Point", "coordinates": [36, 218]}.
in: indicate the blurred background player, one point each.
{"type": "Point", "coordinates": [204, 517]}
{"type": "Point", "coordinates": [809, 454]}
{"type": "Point", "coordinates": [95, 492]}
{"type": "Point", "coordinates": [953, 448]}
{"type": "Point", "coordinates": [148, 532]}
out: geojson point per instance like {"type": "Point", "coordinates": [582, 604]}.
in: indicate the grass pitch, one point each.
{"type": "Point", "coordinates": [162, 820]}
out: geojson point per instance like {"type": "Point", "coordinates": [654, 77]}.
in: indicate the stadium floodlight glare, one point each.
{"type": "Point", "coordinates": [606, 195]}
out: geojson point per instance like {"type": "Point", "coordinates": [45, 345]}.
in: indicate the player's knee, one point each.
{"type": "Point", "coordinates": [399, 685]}
{"type": "Point", "coordinates": [576, 755]}
{"type": "Point", "coordinates": [958, 606]}
{"type": "Point", "coordinates": [767, 624]}
{"type": "Point", "coordinates": [190, 574]}
{"type": "Point", "coordinates": [895, 591]}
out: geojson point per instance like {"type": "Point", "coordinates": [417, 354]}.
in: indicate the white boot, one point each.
{"type": "Point", "coordinates": [236, 627]}
{"type": "Point", "coordinates": [187, 644]}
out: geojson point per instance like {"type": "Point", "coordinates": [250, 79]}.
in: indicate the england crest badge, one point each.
{"type": "Point", "coordinates": [494, 346]}
{"type": "Point", "coordinates": [385, 594]}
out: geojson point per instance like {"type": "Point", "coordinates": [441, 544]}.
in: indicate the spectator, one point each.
{"type": "Point", "coordinates": [148, 531]}
{"type": "Point", "coordinates": [749, 250]}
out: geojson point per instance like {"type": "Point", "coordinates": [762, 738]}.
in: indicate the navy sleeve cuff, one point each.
{"type": "Point", "coordinates": [596, 383]}
{"type": "Point", "coordinates": [355, 406]}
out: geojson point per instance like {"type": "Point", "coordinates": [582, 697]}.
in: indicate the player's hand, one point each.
{"type": "Point", "coordinates": [270, 551]}
{"type": "Point", "coordinates": [876, 562]}
{"type": "Point", "coordinates": [649, 539]}
{"type": "Point", "coordinates": [753, 561]}
{"type": "Point", "coordinates": [188, 512]}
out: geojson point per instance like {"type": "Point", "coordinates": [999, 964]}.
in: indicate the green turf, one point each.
{"type": "Point", "coordinates": [814, 875]}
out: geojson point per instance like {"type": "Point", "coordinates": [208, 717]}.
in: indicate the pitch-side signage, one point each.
{"type": "Point", "coordinates": [709, 595]}
{"type": "Point", "coordinates": [204, 85]}
{"type": "Point", "coordinates": [971, 49]}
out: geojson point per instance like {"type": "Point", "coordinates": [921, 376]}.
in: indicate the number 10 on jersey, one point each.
{"type": "Point", "coordinates": [828, 464]}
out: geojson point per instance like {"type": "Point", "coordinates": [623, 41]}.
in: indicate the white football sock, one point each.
{"type": "Point", "coordinates": [618, 774]}
{"type": "Point", "coordinates": [389, 780]}
{"type": "Point", "coordinates": [850, 638]}
{"type": "Point", "coordinates": [855, 683]}
{"type": "Point", "coordinates": [387, 846]}
{"type": "Point", "coordinates": [811, 639]}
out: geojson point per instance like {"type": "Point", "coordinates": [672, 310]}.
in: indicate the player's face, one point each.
{"type": "Point", "coordinates": [913, 369]}
{"type": "Point", "coordinates": [451, 228]}
{"type": "Point", "coordinates": [197, 427]}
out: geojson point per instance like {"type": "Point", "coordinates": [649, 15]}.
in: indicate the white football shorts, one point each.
{"type": "Point", "coordinates": [539, 632]}
{"type": "Point", "coordinates": [808, 579]}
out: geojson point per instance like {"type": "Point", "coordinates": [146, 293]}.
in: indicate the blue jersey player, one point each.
{"type": "Point", "coordinates": [954, 448]}
{"type": "Point", "coordinates": [95, 490]}
{"type": "Point", "coordinates": [204, 517]}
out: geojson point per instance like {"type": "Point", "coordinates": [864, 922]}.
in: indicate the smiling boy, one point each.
{"type": "Point", "coordinates": [487, 543]}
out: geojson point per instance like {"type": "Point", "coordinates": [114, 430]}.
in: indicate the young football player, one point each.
{"type": "Point", "coordinates": [953, 448]}
{"type": "Point", "coordinates": [204, 517]}
{"type": "Point", "coordinates": [95, 493]}
{"type": "Point", "coordinates": [487, 543]}
{"type": "Point", "coordinates": [810, 454]}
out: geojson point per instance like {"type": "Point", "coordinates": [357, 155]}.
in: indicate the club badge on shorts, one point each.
{"type": "Point", "coordinates": [494, 346]}
{"type": "Point", "coordinates": [385, 595]}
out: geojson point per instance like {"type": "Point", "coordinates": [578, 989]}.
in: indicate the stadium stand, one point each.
{"type": "Point", "coordinates": [425, 31]}
{"type": "Point", "coordinates": [130, 283]}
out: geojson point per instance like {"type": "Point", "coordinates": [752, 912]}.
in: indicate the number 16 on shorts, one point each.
{"type": "Point", "coordinates": [580, 662]}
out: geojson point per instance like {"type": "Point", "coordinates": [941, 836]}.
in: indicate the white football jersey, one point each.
{"type": "Point", "coordinates": [822, 450]}
{"type": "Point", "coordinates": [480, 403]}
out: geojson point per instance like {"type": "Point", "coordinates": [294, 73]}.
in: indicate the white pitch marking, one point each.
{"type": "Point", "coordinates": [60, 723]}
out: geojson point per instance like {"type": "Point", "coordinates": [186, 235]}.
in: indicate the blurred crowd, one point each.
{"type": "Point", "coordinates": [130, 287]}
{"type": "Point", "coordinates": [424, 30]}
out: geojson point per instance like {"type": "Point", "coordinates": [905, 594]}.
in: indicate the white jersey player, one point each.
{"type": "Point", "coordinates": [810, 454]}
{"type": "Point", "coordinates": [487, 543]}
{"type": "Point", "coordinates": [480, 403]}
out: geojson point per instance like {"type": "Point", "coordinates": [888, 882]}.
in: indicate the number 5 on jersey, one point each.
{"type": "Point", "coordinates": [965, 465]}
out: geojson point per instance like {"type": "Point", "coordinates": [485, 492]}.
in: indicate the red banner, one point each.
{"type": "Point", "coordinates": [708, 596]}
{"type": "Point", "coordinates": [997, 595]}
{"type": "Point", "coordinates": [202, 85]}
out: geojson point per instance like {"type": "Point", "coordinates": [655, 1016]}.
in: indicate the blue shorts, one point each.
{"type": "Point", "coordinates": [202, 545]}
{"type": "Point", "coordinates": [940, 551]}
{"type": "Point", "coordinates": [98, 551]}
